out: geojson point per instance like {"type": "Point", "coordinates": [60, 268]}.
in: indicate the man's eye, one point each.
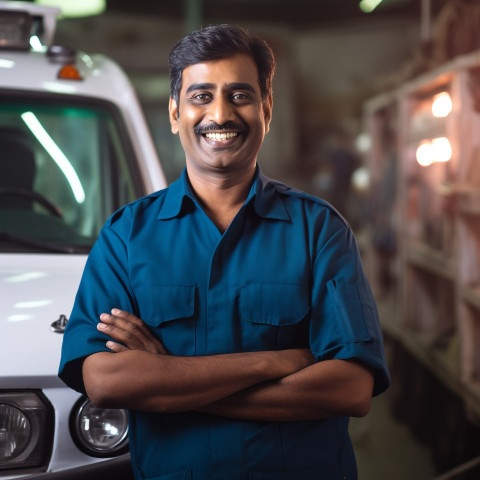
{"type": "Point", "coordinates": [201, 97]}
{"type": "Point", "coordinates": [239, 96]}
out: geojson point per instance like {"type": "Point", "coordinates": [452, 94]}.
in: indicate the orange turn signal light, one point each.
{"type": "Point", "coordinates": [69, 72]}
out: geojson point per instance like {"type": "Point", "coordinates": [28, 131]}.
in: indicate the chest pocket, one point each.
{"type": "Point", "coordinates": [274, 316]}
{"type": "Point", "coordinates": [169, 311]}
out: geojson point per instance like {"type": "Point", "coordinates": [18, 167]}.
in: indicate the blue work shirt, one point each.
{"type": "Point", "coordinates": [285, 274]}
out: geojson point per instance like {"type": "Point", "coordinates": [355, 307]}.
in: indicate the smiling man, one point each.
{"type": "Point", "coordinates": [222, 118]}
{"type": "Point", "coordinates": [241, 332]}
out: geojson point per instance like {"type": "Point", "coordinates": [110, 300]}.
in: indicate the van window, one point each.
{"type": "Point", "coordinates": [64, 168]}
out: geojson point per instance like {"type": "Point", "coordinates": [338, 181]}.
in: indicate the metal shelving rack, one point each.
{"type": "Point", "coordinates": [434, 313]}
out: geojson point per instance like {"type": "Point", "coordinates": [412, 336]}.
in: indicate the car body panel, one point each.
{"type": "Point", "coordinates": [35, 289]}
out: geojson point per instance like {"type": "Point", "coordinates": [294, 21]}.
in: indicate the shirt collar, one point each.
{"type": "Point", "coordinates": [263, 193]}
{"type": "Point", "coordinates": [268, 201]}
{"type": "Point", "coordinates": [177, 194]}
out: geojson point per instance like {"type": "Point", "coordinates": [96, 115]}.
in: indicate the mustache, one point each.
{"type": "Point", "coordinates": [215, 127]}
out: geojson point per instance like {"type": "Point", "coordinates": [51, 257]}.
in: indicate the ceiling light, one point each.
{"type": "Point", "coordinates": [368, 6]}
{"type": "Point", "coordinates": [74, 8]}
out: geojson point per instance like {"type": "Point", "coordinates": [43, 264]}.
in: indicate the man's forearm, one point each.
{"type": "Point", "coordinates": [264, 386]}
{"type": "Point", "coordinates": [323, 390]}
{"type": "Point", "coordinates": [142, 380]}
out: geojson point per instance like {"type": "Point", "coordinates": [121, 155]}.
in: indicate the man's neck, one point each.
{"type": "Point", "coordinates": [221, 196]}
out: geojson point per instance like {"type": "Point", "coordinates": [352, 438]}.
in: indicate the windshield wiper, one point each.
{"type": "Point", "coordinates": [41, 244]}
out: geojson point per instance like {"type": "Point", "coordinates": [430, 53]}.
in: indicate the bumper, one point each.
{"type": "Point", "coordinates": [115, 469]}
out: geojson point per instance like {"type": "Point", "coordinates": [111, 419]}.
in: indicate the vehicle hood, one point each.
{"type": "Point", "coordinates": [34, 291]}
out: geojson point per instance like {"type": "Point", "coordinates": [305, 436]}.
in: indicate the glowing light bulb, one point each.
{"type": "Point", "coordinates": [425, 154]}
{"type": "Point", "coordinates": [442, 150]}
{"type": "Point", "coordinates": [441, 105]}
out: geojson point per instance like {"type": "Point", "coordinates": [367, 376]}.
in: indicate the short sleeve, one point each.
{"type": "Point", "coordinates": [104, 285]}
{"type": "Point", "coordinates": [344, 320]}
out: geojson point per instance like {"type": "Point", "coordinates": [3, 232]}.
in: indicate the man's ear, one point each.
{"type": "Point", "coordinates": [173, 115]}
{"type": "Point", "coordinates": [267, 111]}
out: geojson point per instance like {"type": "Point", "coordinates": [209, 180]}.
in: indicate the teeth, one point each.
{"type": "Point", "coordinates": [221, 136]}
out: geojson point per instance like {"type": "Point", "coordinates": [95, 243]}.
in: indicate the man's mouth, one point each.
{"type": "Point", "coordinates": [220, 137]}
{"type": "Point", "coordinates": [219, 134]}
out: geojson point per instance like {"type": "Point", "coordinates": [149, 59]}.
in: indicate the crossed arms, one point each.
{"type": "Point", "coordinates": [285, 385]}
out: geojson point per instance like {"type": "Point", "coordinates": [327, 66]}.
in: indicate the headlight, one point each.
{"type": "Point", "coordinates": [25, 430]}
{"type": "Point", "coordinates": [100, 432]}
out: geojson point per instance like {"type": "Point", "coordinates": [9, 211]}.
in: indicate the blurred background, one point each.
{"type": "Point", "coordinates": [331, 57]}
{"type": "Point", "coordinates": [354, 89]}
{"type": "Point", "coordinates": [351, 82]}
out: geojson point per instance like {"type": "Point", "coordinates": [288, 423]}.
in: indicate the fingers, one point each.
{"type": "Point", "coordinates": [124, 325]}
{"type": "Point", "coordinates": [127, 316]}
{"type": "Point", "coordinates": [116, 347]}
{"type": "Point", "coordinates": [129, 330]}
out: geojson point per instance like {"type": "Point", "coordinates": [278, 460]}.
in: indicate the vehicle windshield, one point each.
{"type": "Point", "coordinates": [64, 168]}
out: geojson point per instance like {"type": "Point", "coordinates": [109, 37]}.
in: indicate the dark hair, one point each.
{"type": "Point", "coordinates": [216, 43]}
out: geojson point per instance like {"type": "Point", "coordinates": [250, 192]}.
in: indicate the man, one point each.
{"type": "Point", "coordinates": [258, 335]}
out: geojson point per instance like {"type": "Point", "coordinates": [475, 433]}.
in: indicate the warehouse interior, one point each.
{"type": "Point", "coordinates": [335, 91]}
{"type": "Point", "coordinates": [355, 123]}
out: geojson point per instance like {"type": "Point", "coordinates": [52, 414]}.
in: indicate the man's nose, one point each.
{"type": "Point", "coordinates": [221, 111]}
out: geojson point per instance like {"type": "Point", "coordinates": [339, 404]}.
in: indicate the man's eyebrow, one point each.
{"type": "Point", "coordinates": [241, 86]}
{"type": "Point", "coordinates": [200, 86]}
{"type": "Point", "coordinates": [210, 86]}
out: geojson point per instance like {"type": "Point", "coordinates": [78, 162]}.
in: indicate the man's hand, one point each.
{"type": "Point", "coordinates": [131, 331]}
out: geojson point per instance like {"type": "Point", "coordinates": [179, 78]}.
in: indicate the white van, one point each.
{"type": "Point", "coordinates": [74, 146]}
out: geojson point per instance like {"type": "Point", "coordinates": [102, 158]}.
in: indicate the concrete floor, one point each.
{"type": "Point", "coordinates": [386, 449]}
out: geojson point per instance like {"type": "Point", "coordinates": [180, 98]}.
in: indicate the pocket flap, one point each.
{"type": "Point", "coordinates": [274, 303]}
{"type": "Point", "coordinates": [162, 303]}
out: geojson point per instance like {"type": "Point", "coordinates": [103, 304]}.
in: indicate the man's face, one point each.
{"type": "Point", "coordinates": [221, 118]}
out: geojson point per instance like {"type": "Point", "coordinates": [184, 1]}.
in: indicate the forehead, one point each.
{"type": "Point", "coordinates": [240, 68]}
